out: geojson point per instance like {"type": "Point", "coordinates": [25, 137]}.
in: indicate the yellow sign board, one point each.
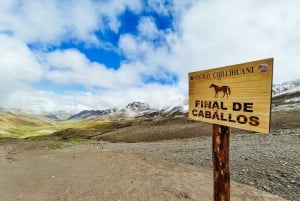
{"type": "Point", "coordinates": [237, 96]}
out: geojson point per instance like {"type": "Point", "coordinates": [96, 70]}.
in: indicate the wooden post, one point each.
{"type": "Point", "coordinates": [220, 158]}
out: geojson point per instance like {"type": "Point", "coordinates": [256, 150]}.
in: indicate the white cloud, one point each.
{"type": "Point", "coordinates": [159, 6]}
{"type": "Point", "coordinates": [18, 67]}
{"type": "Point", "coordinates": [72, 67]}
{"type": "Point", "coordinates": [50, 22]}
{"type": "Point", "coordinates": [47, 101]}
{"type": "Point", "coordinates": [129, 46]}
{"type": "Point", "coordinates": [112, 9]}
{"type": "Point", "coordinates": [147, 28]}
{"type": "Point", "coordinates": [221, 33]}
{"type": "Point", "coordinates": [17, 60]}
{"type": "Point", "coordinates": [206, 34]}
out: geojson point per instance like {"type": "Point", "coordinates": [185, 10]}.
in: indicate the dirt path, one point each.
{"type": "Point", "coordinates": [268, 162]}
{"type": "Point", "coordinates": [87, 172]}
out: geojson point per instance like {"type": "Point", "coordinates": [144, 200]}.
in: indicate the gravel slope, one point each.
{"type": "Point", "coordinates": [85, 172]}
{"type": "Point", "coordinates": [268, 162]}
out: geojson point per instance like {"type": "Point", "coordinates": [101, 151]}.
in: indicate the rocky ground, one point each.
{"type": "Point", "coordinates": [268, 162]}
{"type": "Point", "coordinates": [94, 171]}
{"type": "Point", "coordinates": [167, 155]}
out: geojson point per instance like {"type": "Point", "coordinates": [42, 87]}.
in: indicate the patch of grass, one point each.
{"type": "Point", "coordinates": [50, 142]}
{"type": "Point", "coordinates": [164, 129]}
{"type": "Point", "coordinates": [87, 129]}
{"type": "Point", "coordinates": [75, 131]}
{"type": "Point", "coordinates": [19, 125]}
{"type": "Point", "coordinates": [104, 126]}
{"type": "Point", "coordinates": [28, 131]}
{"type": "Point", "coordinates": [89, 124]}
{"type": "Point", "coordinates": [5, 140]}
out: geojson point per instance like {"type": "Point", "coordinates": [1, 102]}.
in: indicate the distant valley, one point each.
{"type": "Point", "coordinates": [266, 162]}
{"type": "Point", "coordinates": [18, 124]}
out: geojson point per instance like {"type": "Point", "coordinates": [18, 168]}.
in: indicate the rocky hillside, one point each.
{"type": "Point", "coordinates": [14, 123]}
{"type": "Point", "coordinates": [286, 88]}
{"type": "Point", "coordinates": [286, 96]}
{"type": "Point", "coordinates": [134, 110]}
{"type": "Point", "coordinates": [85, 114]}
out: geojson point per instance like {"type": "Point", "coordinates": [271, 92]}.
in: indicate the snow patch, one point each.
{"type": "Point", "coordinates": [289, 107]}
{"type": "Point", "coordinates": [286, 88]}
{"type": "Point", "coordinates": [297, 99]}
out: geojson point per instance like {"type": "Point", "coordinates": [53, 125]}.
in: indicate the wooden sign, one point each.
{"type": "Point", "coordinates": [237, 96]}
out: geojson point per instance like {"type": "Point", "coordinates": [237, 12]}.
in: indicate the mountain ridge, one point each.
{"type": "Point", "coordinates": [286, 87]}
{"type": "Point", "coordinates": [285, 96]}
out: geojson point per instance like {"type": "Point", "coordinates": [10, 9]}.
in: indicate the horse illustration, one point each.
{"type": "Point", "coordinates": [224, 89]}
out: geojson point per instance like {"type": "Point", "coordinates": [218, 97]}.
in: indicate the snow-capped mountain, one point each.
{"type": "Point", "coordinates": [89, 113]}
{"type": "Point", "coordinates": [138, 106]}
{"type": "Point", "coordinates": [286, 87]}
{"type": "Point", "coordinates": [286, 96]}
{"type": "Point", "coordinates": [135, 109]}
{"type": "Point", "coordinates": [176, 106]}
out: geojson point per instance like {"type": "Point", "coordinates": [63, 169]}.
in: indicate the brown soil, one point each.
{"type": "Point", "coordinates": [161, 165]}
{"type": "Point", "coordinates": [268, 162]}
{"type": "Point", "coordinates": [89, 172]}
{"type": "Point", "coordinates": [155, 130]}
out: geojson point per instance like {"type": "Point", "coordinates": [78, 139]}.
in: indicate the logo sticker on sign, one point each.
{"type": "Point", "coordinates": [238, 96]}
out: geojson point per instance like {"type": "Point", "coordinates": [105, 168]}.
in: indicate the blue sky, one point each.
{"type": "Point", "coordinates": [96, 54]}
